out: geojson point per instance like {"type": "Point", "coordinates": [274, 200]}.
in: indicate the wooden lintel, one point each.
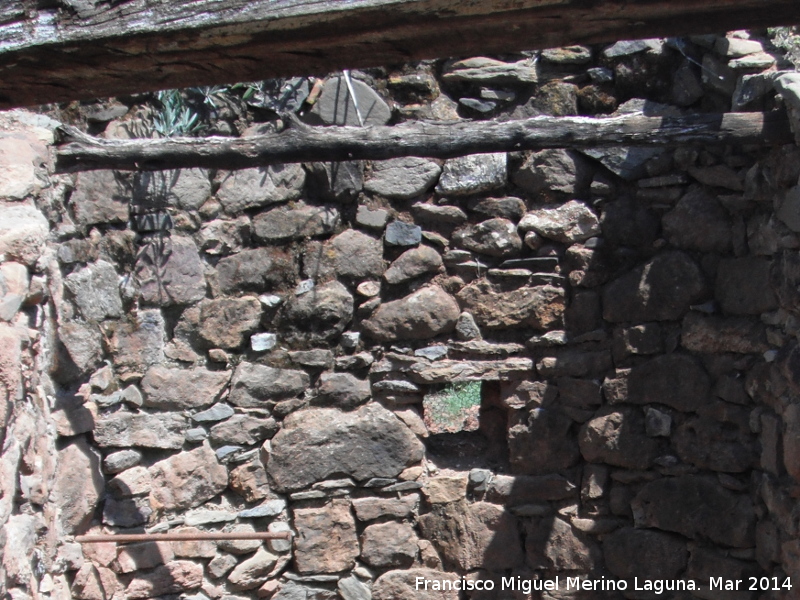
{"type": "Point", "coordinates": [300, 143]}
{"type": "Point", "coordinates": [75, 50]}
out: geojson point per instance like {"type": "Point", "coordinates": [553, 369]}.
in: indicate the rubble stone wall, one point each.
{"type": "Point", "coordinates": [250, 351]}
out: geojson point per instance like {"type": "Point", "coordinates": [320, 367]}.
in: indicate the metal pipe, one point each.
{"type": "Point", "coordinates": [125, 538]}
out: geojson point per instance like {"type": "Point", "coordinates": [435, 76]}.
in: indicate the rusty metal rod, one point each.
{"type": "Point", "coordinates": [125, 538]}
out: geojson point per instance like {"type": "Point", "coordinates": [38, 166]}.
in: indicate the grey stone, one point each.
{"type": "Point", "coordinates": [488, 71]}
{"type": "Point", "coordinates": [338, 181]}
{"type": "Point", "coordinates": [138, 342]}
{"type": "Point", "coordinates": [223, 237]}
{"type": "Point", "coordinates": [474, 535]}
{"type": "Point", "coordinates": [432, 352]}
{"type": "Point", "coordinates": [733, 47]}
{"type": "Point", "coordinates": [335, 106]}
{"type": "Point", "coordinates": [648, 555]}
{"type": "Point", "coordinates": [294, 222]}
{"type": "Point", "coordinates": [504, 208]}
{"type": "Point", "coordinates": [518, 490]}
{"type": "Point", "coordinates": [438, 213]}
{"type": "Point", "coordinates": [616, 436]}
{"type": "Point", "coordinates": [743, 286]}
{"type": "Point", "coordinates": [186, 480]}
{"type": "Point", "coordinates": [467, 328]}
{"type": "Point", "coordinates": [402, 178]}
{"type": "Point", "coordinates": [243, 430]}
{"type": "Point", "coordinates": [83, 343]}
{"type": "Point", "coordinates": [125, 429]}
{"type": "Point", "coordinates": [261, 342]}
{"type": "Point", "coordinates": [117, 462]}
{"type": "Point", "coordinates": [389, 545]}
{"type": "Point", "coordinates": [789, 210]}
{"type": "Point", "coordinates": [713, 333]}
{"type": "Point", "coordinates": [495, 237]}
{"type": "Point", "coordinates": [253, 385]}
{"type": "Point", "coordinates": [662, 289]}
{"type": "Point", "coordinates": [187, 189]}
{"type": "Point", "coordinates": [600, 74]}
{"type": "Point", "coordinates": [196, 435]}
{"type": "Point", "coordinates": [317, 359]}
{"type": "Point", "coordinates": [552, 543]}
{"type": "Point", "coordinates": [686, 86]}
{"type": "Point", "coordinates": [13, 289]}
{"type": "Point", "coordinates": [549, 172]}
{"type": "Point", "coordinates": [321, 315]}
{"type": "Point", "coordinates": [96, 291]}
{"type": "Point", "coordinates": [698, 508]}
{"type": "Point", "coordinates": [717, 75]}
{"type": "Point", "coordinates": [298, 591]}
{"type": "Point", "coordinates": [423, 314]}
{"type": "Point", "coordinates": [627, 163]}
{"type": "Point", "coordinates": [126, 512]}
{"type": "Point", "coordinates": [494, 307]}
{"type": "Point", "coordinates": [218, 412]}
{"type": "Point", "coordinates": [257, 270]}
{"type": "Point", "coordinates": [413, 263]}
{"type": "Point", "coordinates": [568, 55]}
{"type": "Point", "coordinates": [719, 444]}
{"type": "Point", "coordinates": [675, 380]}
{"type": "Point", "coordinates": [226, 322]}
{"type": "Point", "coordinates": [261, 186]}
{"type": "Point", "coordinates": [568, 223]}
{"type": "Point", "coordinates": [750, 89]}
{"type": "Point", "coordinates": [357, 255]}
{"type": "Point", "coordinates": [324, 441]}
{"type": "Point", "coordinates": [402, 584]}
{"type": "Point", "coordinates": [342, 390]}
{"type": "Point", "coordinates": [473, 174]}
{"type": "Point", "coordinates": [371, 219]}
{"type": "Point", "coordinates": [225, 453]}
{"type": "Point", "coordinates": [399, 233]}
{"type": "Point", "coordinates": [252, 572]}
{"type": "Point", "coordinates": [179, 389]}
{"type": "Point", "coordinates": [627, 222]}
{"type": "Point", "coordinates": [101, 197]}
{"type": "Point", "coordinates": [78, 486]}
{"type": "Point", "coordinates": [270, 508]}
{"type": "Point", "coordinates": [626, 48]}
{"type": "Point", "coordinates": [350, 588]}
{"type": "Point", "coordinates": [539, 442]}
{"type": "Point", "coordinates": [170, 272]}
{"type": "Point", "coordinates": [326, 538]}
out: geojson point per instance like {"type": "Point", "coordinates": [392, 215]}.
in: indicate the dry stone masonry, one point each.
{"type": "Point", "coordinates": [252, 351]}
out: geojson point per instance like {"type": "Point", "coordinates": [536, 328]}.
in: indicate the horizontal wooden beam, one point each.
{"type": "Point", "coordinates": [299, 142]}
{"type": "Point", "coordinates": [90, 49]}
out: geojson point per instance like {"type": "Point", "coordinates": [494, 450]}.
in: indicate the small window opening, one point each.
{"type": "Point", "coordinates": [453, 408]}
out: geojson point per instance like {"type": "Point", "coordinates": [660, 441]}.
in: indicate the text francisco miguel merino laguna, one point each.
{"type": "Point", "coordinates": [603, 584]}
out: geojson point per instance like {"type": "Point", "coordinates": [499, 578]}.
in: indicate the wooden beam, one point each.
{"type": "Point", "coordinates": [91, 49]}
{"type": "Point", "coordinates": [300, 142]}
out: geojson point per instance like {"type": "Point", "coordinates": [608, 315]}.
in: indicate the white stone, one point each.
{"type": "Point", "coordinates": [261, 342]}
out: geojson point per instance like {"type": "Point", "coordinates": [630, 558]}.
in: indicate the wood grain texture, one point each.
{"type": "Point", "coordinates": [442, 140]}
{"type": "Point", "coordinates": [91, 49]}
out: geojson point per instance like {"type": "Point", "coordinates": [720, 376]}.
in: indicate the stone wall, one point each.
{"type": "Point", "coordinates": [252, 351]}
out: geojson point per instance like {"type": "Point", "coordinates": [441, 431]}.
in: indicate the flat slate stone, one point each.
{"type": "Point", "coordinates": [335, 106]}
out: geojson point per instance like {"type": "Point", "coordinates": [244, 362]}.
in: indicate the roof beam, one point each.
{"type": "Point", "coordinates": [91, 48]}
{"type": "Point", "coordinates": [301, 142]}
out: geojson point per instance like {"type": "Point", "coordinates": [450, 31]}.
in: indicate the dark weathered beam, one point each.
{"type": "Point", "coordinates": [91, 49]}
{"type": "Point", "coordinates": [444, 140]}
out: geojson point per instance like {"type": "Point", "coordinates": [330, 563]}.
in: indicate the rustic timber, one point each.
{"type": "Point", "coordinates": [127, 538]}
{"type": "Point", "coordinates": [69, 50]}
{"type": "Point", "coordinates": [300, 142]}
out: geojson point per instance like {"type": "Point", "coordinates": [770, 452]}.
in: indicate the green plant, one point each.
{"type": "Point", "coordinates": [450, 409]}
{"type": "Point", "coordinates": [175, 117]}
{"type": "Point", "coordinates": [788, 40]}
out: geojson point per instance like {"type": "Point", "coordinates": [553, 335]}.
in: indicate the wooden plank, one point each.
{"type": "Point", "coordinates": [91, 49]}
{"type": "Point", "coordinates": [300, 142]}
